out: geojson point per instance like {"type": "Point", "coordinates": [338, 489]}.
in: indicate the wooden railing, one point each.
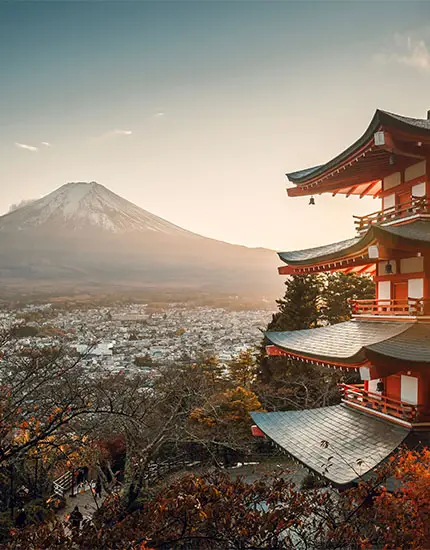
{"type": "Point", "coordinates": [356, 394]}
{"type": "Point", "coordinates": [63, 483]}
{"type": "Point", "coordinates": [418, 205]}
{"type": "Point", "coordinates": [412, 307]}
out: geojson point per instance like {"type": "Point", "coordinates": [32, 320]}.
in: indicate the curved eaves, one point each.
{"type": "Point", "coordinates": [414, 126]}
{"type": "Point", "coordinates": [345, 342]}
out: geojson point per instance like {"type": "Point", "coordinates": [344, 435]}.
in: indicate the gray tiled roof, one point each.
{"type": "Point", "coordinates": [317, 252]}
{"type": "Point", "coordinates": [411, 345]}
{"type": "Point", "coordinates": [421, 123]}
{"type": "Point", "coordinates": [416, 231]}
{"type": "Point", "coordinates": [305, 172]}
{"type": "Point", "coordinates": [352, 437]}
{"type": "Point", "coordinates": [345, 341]}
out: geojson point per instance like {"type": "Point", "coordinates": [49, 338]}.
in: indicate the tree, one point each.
{"type": "Point", "coordinates": [242, 369]}
{"type": "Point", "coordinates": [408, 507]}
{"type": "Point", "coordinates": [310, 301]}
{"type": "Point", "coordinates": [300, 306]}
{"type": "Point", "coordinates": [217, 512]}
{"type": "Point", "coordinates": [224, 421]}
{"type": "Point", "coordinates": [52, 408]}
{"type": "Point", "coordinates": [339, 289]}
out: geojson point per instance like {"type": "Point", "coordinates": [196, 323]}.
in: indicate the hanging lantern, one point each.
{"type": "Point", "coordinates": [312, 201]}
{"type": "Point", "coordinates": [380, 386]}
{"type": "Point", "coordinates": [392, 159]}
{"type": "Point", "coordinates": [388, 268]}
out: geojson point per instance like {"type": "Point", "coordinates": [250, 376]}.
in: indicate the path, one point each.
{"type": "Point", "coordinates": [85, 501]}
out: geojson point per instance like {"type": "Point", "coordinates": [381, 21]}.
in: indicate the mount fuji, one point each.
{"type": "Point", "coordinates": [84, 236]}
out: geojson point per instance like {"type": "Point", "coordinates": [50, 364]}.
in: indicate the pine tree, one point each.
{"type": "Point", "coordinates": [300, 306]}
{"type": "Point", "coordinates": [339, 289]}
{"type": "Point", "coordinates": [309, 301]}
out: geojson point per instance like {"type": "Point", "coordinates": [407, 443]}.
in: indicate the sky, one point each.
{"type": "Point", "coordinates": [196, 110]}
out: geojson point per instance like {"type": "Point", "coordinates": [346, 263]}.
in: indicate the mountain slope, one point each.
{"type": "Point", "coordinates": [80, 205]}
{"type": "Point", "coordinates": [83, 234]}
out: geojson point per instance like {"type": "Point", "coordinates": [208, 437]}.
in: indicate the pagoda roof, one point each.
{"type": "Point", "coordinates": [337, 442]}
{"type": "Point", "coordinates": [320, 253]}
{"type": "Point", "coordinates": [386, 346]}
{"type": "Point", "coordinates": [360, 167]}
{"type": "Point", "coordinates": [412, 345]}
{"type": "Point", "coordinates": [345, 342]}
{"type": "Point", "coordinates": [410, 235]}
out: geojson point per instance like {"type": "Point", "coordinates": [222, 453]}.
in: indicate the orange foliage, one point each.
{"type": "Point", "coordinates": [406, 511]}
{"type": "Point", "coordinates": [232, 406]}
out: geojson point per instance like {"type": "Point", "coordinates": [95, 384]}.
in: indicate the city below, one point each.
{"type": "Point", "coordinates": [133, 338]}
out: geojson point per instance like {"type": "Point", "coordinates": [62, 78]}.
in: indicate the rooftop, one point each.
{"type": "Point", "coordinates": [346, 342]}
{"type": "Point", "coordinates": [359, 168]}
{"type": "Point", "coordinates": [337, 442]}
{"type": "Point", "coordinates": [415, 234]}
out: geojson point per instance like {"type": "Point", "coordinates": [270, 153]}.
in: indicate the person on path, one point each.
{"type": "Point", "coordinates": [98, 488]}
{"type": "Point", "coordinates": [21, 519]}
{"type": "Point", "coordinates": [75, 518]}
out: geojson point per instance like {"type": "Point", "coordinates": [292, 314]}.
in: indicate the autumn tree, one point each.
{"type": "Point", "coordinates": [54, 414]}
{"type": "Point", "coordinates": [217, 512]}
{"type": "Point", "coordinates": [242, 369]}
{"type": "Point", "coordinates": [223, 422]}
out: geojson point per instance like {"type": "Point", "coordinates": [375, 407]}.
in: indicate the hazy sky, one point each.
{"type": "Point", "coordinates": [195, 110]}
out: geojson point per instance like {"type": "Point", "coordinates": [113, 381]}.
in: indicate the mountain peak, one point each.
{"type": "Point", "coordinates": [82, 205]}
{"type": "Point", "coordinates": [82, 236]}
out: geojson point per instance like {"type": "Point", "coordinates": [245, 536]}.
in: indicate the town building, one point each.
{"type": "Point", "coordinates": [387, 341]}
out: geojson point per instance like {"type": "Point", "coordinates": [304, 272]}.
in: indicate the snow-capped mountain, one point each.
{"type": "Point", "coordinates": [83, 235]}
{"type": "Point", "coordinates": [80, 205]}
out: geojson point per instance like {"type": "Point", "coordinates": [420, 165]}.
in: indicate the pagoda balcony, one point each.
{"type": "Point", "coordinates": [417, 206]}
{"type": "Point", "coordinates": [412, 307]}
{"type": "Point", "coordinates": [356, 396]}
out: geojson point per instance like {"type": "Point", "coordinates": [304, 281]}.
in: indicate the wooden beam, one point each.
{"type": "Point", "coordinates": [351, 191]}
{"type": "Point", "coordinates": [369, 188]}
{"type": "Point", "coordinates": [398, 277]}
{"type": "Point", "coordinates": [338, 265]}
{"type": "Point", "coordinates": [274, 351]}
{"type": "Point", "coordinates": [402, 187]}
{"type": "Point", "coordinates": [362, 270]}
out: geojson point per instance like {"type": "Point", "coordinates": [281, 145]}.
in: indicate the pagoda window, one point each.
{"type": "Point", "coordinates": [389, 201]}
{"type": "Point", "coordinates": [365, 376]}
{"type": "Point", "coordinates": [375, 386]}
{"type": "Point", "coordinates": [384, 290]}
{"type": "Point", "coordinates": [415, 288]}
{"type": "Point", "coordinates": [409, 389]}
{"type": "Point", "coordinates": [415, 171]}
{"type": "Point", "coordinates": [419, 190]}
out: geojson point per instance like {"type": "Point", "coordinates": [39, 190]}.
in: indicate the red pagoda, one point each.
{"type": "Point", "coordinates": [388, 339]}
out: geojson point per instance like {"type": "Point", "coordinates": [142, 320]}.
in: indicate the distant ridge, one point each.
{"type": "Point", "coordinates": [82, 234]}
